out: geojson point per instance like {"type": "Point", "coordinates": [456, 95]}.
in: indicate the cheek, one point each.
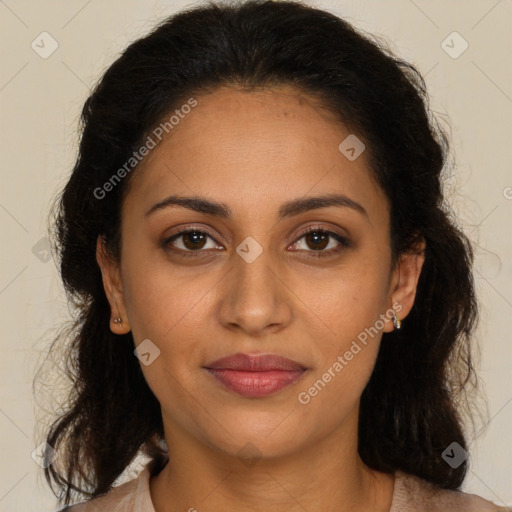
{"type": "Point", "coordinates": [350, 309]}
{"type": "Point", "coordinates": [159, 295]}
{"type": "Point", "coordinates": [170, 307]}
{"type": "Point", "coordinates": [346, 358]}
{"type": "Point", "coordinates": [352, 302]}
{"type": "Point", "coordinates": [168, 310]}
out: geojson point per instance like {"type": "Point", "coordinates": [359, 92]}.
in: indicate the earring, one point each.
{"type": "Point", "coordinates": [397, 323]}
{"type": "Point", "coordinates": [125, 326]}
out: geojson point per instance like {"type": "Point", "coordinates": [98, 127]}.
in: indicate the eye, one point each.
{"type": "Point", "coordinates": [192, 240]}
{"type": "Point", "coordinates": [318, 240]}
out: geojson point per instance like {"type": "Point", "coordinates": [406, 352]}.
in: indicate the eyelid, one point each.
{"type": "Point", "coordinates": [325, 229]}
{"type": "Point", "coordinates": [183, 230]}
{"type": "Point", "coordinates": [343, 241]}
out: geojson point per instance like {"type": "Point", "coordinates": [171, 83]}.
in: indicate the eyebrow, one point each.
{"type": "Point", "coordinates": [288, 209]}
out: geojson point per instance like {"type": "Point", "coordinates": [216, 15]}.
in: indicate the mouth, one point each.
{"type": "Point", "coordinates": [256, 375]}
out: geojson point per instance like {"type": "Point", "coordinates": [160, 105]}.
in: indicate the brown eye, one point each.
{"type": "Point", "coordinates": [317, 240]}
{"type": "Point", "coordinates": [194, 240]}
{"type": "Point", "coordinates": [189, 241]}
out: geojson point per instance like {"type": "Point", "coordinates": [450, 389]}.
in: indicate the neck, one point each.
{"type": "Point", "coordinates": [326, 476]}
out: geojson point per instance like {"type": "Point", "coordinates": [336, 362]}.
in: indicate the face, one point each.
{"type": "Point", "coordinates": [201, 285]}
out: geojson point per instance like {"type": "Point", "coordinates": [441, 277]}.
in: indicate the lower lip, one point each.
{"type": "Point", "coordinates": [256, 384]}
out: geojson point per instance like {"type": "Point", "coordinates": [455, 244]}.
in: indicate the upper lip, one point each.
{"type": "Point", "coordinates": [255, 363]}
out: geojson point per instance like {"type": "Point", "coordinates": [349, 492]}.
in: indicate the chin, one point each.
{"type": "Point", "coordinates": [258, 437]}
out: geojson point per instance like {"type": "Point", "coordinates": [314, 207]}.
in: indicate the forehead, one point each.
{"type": "Point", "coordinates": [257, 145]}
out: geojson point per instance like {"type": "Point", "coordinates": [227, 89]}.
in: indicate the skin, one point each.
{"type": "Point", "coordinates": [253, 151]}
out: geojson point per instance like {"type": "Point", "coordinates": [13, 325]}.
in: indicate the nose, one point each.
{"type": "Point", "coordinates": [254, 298]}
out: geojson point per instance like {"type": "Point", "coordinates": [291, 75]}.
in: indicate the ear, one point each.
{"type": "Point", "coordinates": [404, 282]}
{"type": "Point", "coordinates": [112, 284]}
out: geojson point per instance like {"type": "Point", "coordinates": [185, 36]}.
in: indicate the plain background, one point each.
{"type": "Point", "coordinates": [40, 103]}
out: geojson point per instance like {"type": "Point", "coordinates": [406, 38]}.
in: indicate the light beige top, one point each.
{"type": "Point", "coordinates": [411, 494]}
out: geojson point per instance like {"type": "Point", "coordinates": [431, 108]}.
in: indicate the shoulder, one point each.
{"type": "Point", "coordinates": [132, 496]}
{"type": "Point", "coordinates": [417, 495]}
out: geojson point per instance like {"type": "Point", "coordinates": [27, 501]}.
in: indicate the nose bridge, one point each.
{"type": "Point", "coordinates": [254, 297]}
{"type": "Point", "coordinates": [254, 280]}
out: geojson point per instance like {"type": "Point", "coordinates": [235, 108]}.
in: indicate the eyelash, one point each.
{"type": "Point", "coordinates": [344, 243]}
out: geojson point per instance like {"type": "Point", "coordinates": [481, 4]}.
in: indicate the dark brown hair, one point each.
{"type": "Point", "coordinates": [409, 412]}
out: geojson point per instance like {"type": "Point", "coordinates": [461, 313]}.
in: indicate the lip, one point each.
{"type": "Point", "coordinates": [256, 375]}
{"type": "Point", "coordinates": [255, 363]}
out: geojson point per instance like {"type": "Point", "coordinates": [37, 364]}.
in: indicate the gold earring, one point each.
{"type": "Point", "coordinates": [397, 323]}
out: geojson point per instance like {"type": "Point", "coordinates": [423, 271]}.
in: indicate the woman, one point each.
{"type": "Point", "coordinates": [274, 305]}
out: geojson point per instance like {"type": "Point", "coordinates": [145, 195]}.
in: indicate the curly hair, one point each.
{"type": "Point", "coordinates": [409, 409]}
